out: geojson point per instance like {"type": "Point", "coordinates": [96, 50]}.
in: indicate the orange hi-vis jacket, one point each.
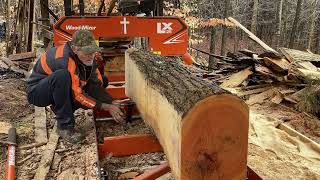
{"type": "Point", "coordinates": [62, 57]}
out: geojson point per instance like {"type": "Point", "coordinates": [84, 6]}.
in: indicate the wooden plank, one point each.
{"type": "Point", "coordinates": [252, 36]}
{"type": "Point", "coordinates": [260, 98]}
{"type": "Point", "coordinates": [308, 66]}
{"type": "Point", "coordinates": [294, 55]}
{"type": "Point", "coordinates": [7, 61]}
{"type": "Point", "coordinates": [266, 71]}
{"type": "Point", "coordinates": [47, 155]}
{"type": "Point", "coordinates": [254, 91]}
{"type": "Point", "coordinates": [3, 65]}
{"type": "Point", "coordinates": [192, 118]}
{"type": "Point", "coordinates": [40, 125]}
{"type": "Point", "coordinates": [20, 56]}
{"type": "Point", "coordinates": [13, 67]}
{"type": "Point", "coordinates": [315, 75]}
{"type": "Point", "coordinates": [237, 79]}
{"type": "Point", "coordinates": [279, 65]}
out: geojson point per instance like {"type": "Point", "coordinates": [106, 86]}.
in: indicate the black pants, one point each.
{"type": "Point", "coordinates": [56, 90]}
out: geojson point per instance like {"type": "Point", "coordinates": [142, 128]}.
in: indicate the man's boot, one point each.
{"type": "Point", "coordinates": [71, 135]}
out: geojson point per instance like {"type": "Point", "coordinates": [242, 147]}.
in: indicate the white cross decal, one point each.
{"type": "Point", "coordinates": [124, 22]}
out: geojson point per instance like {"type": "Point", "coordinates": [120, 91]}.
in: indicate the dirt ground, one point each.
{"type": "Point", "coordinates": [15, 109]}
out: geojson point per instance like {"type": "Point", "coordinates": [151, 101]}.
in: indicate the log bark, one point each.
{"type": "Point", "coordinates": [202, 128]}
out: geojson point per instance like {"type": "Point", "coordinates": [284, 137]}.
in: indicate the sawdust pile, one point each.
{"type": "Point", "coordinates": [274, 154]}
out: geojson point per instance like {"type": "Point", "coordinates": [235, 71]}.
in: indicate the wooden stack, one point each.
{"type": "Point", "coordinates": [276, 77]}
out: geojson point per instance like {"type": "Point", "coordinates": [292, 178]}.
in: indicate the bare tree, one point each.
{"type": "Point", "coordinates": [224, 31]}
{"type": "Point", "coordinates": [278, 34]}
{"type": "Point", "coordinates": [295, 24]}
{"type": "Point", "coordinates": [212, 61]}
{"type": "Point", "coordinates": [8, 2]}
{"type": "Point", "coordinates": [312, 24]}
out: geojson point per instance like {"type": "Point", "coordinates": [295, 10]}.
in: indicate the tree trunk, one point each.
{"type": "Point", "coordinates": [318, 43]}
{"type": "Point", "coordinates": [68, 7]}
{"type": "Point", "coordinates": [158, 8]}
{"type": "Point", "coordinates": [254, 21]}
{"type": "Point", "coordinates": [278, 34]}
{"type": "Point", "coordinates": [30, 31]}
{"type": "Point", "coordinates": [295, 24]}
{"type": "Point", "coordinates": [81, 7]}
{"type": "Point", "coordinates": [224, 31]}
{"type": "Point", "coordinates": [45, 15]}
{"type": "Point", "coordinates": [8, 23]}
{"type": "Point", "coordinates": [312, 25]}
{"type": "Point", "coordinates": [202, 128]}
{"type": "Point", "coordinates": [212, 61]}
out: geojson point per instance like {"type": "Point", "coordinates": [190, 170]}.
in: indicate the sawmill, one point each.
{"type": "Point", "coordinates": [181, 121]}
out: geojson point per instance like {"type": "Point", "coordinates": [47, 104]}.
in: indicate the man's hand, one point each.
{"type": "Point", "coordinates": [115, 112]}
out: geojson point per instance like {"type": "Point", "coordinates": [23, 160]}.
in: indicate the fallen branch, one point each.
{"type": "Point", "coordinates": [20, 56]}
{"type": "Point", "coordinates": [30, 146]}
{"type": "Point", "coordinates": [252, 36]}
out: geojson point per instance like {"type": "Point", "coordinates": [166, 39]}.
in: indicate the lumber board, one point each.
{"type": "Point", "coordinates": [308, 66]}
{"type": "Point", "coordinates": [279, 65]}
{"type": "Point", "coordinates": [40, 125]}
{"type": "Point", "coordinates": [47, 155]}
{"type": "Point", "coordinates": [237, 78]}
{"type": "Point", "coordinates": [3, 65]}
{"type": "Point", "coordinates": [315, 75]}
{"type": "Point", "coordinates": [21, 56]}
{"type": "Point", "coordinates": [252, 36]}
{"type": "Point", "coordinates": [260, 98]}
{"type": "Point", "coordinates": [202, 128]}
{"type": "Point", "coordinates": [266, 71]}
{"type": "Point", "coordinates": [294, 55]}
{"type": "Point", "coordinates": [253, 91]}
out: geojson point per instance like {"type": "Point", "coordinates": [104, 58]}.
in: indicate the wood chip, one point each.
{"type": "Point", "coordinates": [260, 98]}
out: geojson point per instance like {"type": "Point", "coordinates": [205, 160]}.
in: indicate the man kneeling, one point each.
{"type": "Point", "coordinates": [66, 77]}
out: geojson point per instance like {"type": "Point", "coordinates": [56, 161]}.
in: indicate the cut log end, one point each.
{"type": "Point", "coordinates": [214, 139]}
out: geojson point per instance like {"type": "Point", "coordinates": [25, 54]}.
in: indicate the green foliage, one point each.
{"type": "Point", "coordinates": [310, 101]}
